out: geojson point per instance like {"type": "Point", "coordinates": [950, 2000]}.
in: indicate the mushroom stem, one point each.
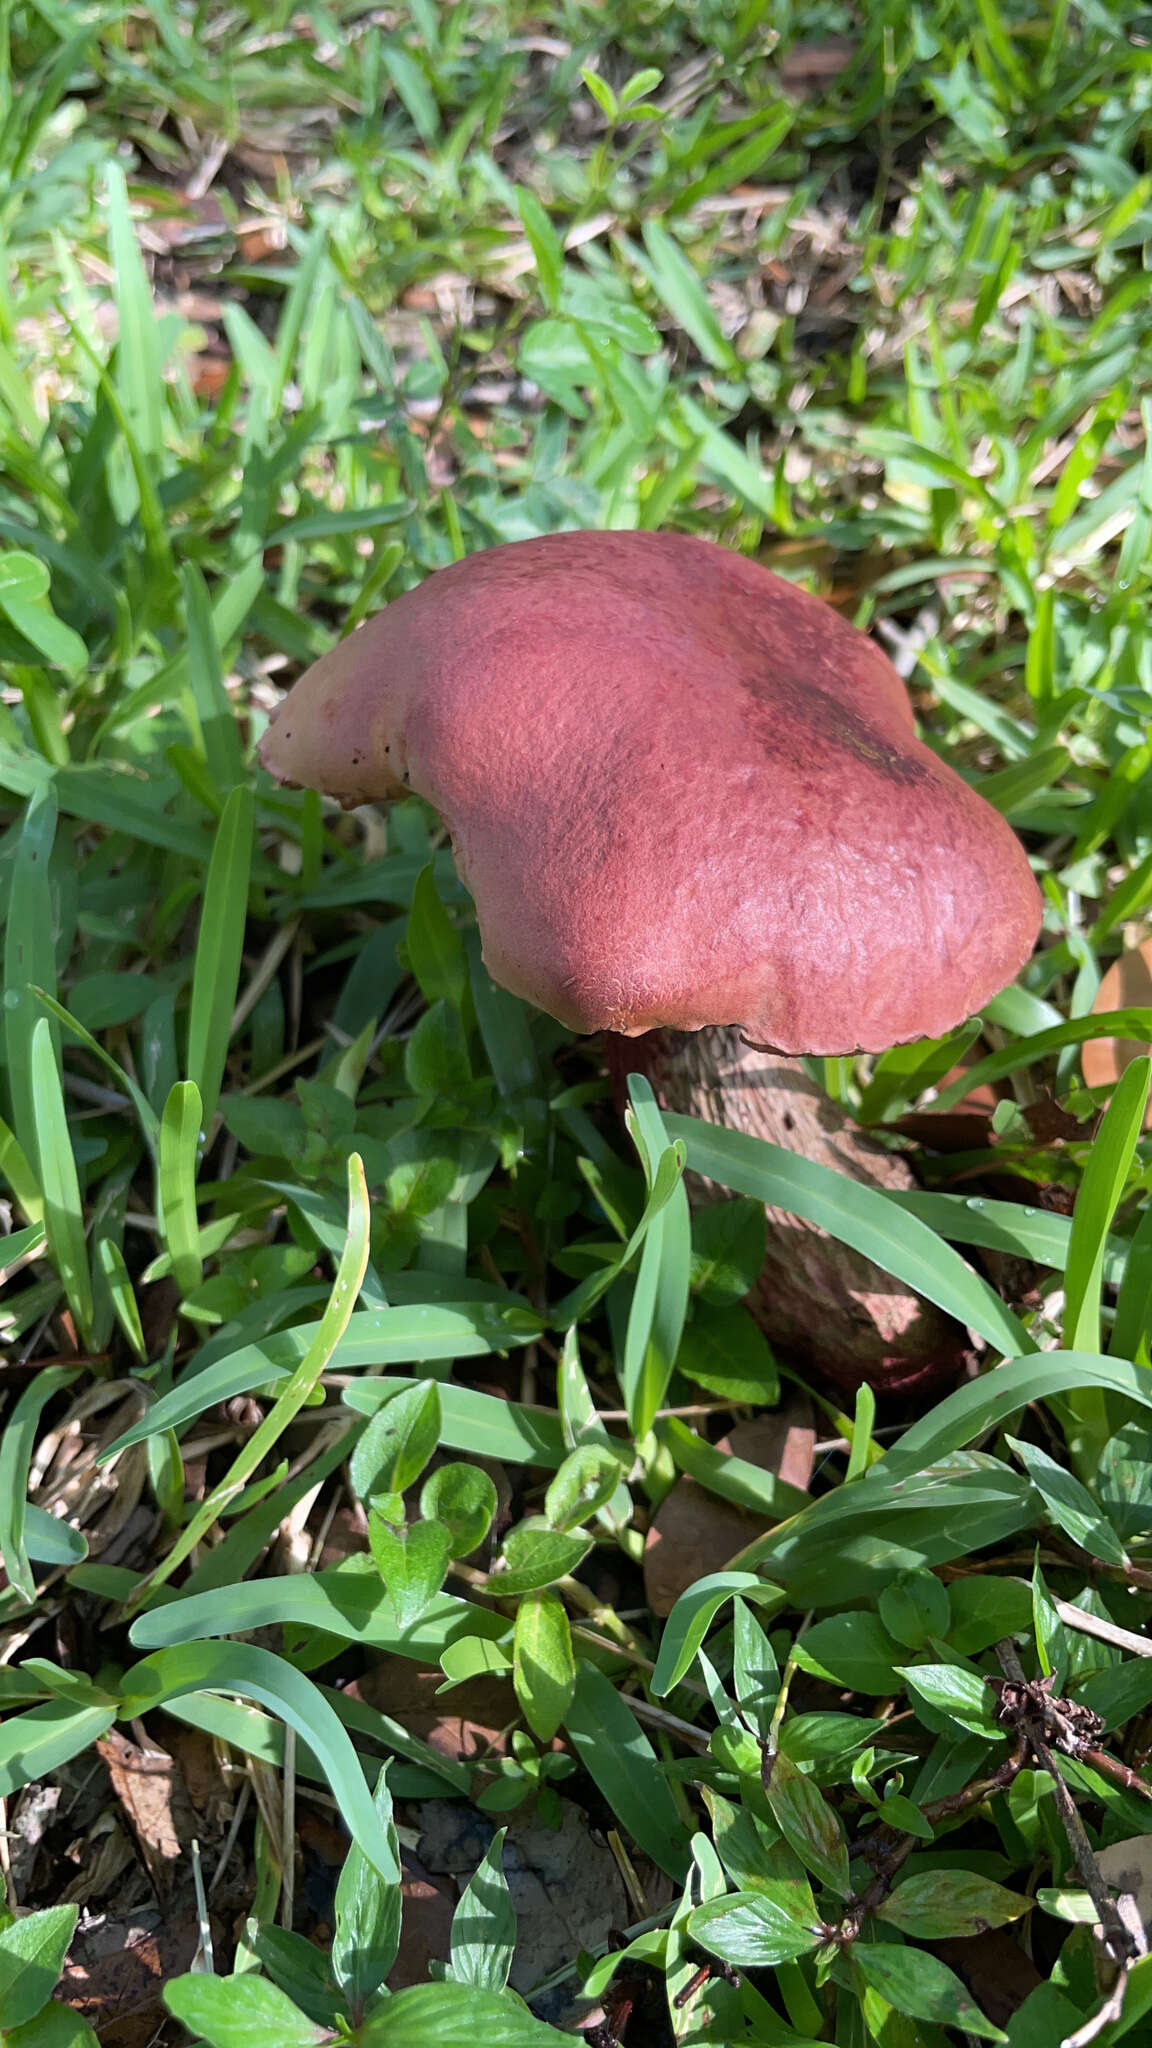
{"type": "Point", "coordinates": [821, 1303]}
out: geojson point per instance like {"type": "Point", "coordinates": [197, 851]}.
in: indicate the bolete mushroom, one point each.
{"type": "Point", "coordinates": [684, 794]}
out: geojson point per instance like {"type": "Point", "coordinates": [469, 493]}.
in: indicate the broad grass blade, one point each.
{"type": "Point", "coordinates": [856, 1215]}
{"type": "Point", "coordinates": [59, 1181]}
{"type": "Point", "coordinates": [216, 971]}
{"type": "Point", "coordinates": [1103, 1184]}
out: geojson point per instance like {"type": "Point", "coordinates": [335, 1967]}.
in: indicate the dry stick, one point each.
{"type": "Point", "coordinates": [1120, 1940]}
{"type": "Point", "coordinates": [1122, 1774]}
{"type": "Point", "coordinates": [891, 1847]}
{"type": "Point", "coordinates": [288, 1831]}
{"type": "Point", "coordinates": [1106, 1631]}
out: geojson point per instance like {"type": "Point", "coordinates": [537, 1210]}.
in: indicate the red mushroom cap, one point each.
{"type": "Point", "coordinates": [681, 791]}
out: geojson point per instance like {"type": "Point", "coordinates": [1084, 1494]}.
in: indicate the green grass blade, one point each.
{"type": "Point", "coordinates": [20, 1245]}
{"type": "Point", "coordinates": [29, 956]}
{"type": "Point", "coordinates": [180, 1132]}
{"type": "Point", "coordinates": [259, 1675]}
{"type": "Point", "coordinates": [1027, 1052]}
{"type": "Point", "coordinates": [149, 1122]}
{"type": "Point", "coordinates": [59, 1181]}
{"type": "Point", "coordinates": [351, 1605]}
{"type": "Point", "coordinates": [987, 1402]}
{"type": "Point", "coordinates": [1105, 1178]}
{"type": "Point", "coordinates": [377, 1338]}
{"type": "Point", "coordinates": [38, 1742]}
{"type": "Point", "coordinates": [139, 366]}
{"type": "Point", "coordinates": [19, 1176]}
{"type": "Point", "coordinates": [219, 947]}
{"type": "Point", "coordinates": [1132, 1327]}
{"type": "Point", "coordinates": [217, 720]}
{"type": "Point", "coordinates": [16, 1447]}
{"type": "Point", "coordinates": [660, 1299]}
{"type": "Point", "coordinates": [290, 1400]}
{"type": "Point", "coordinates": [620, 1761]}
{"type": "Point", "coordinates": [118, 1280]}
{"type": "Point", "coordinates": [856, 1215]}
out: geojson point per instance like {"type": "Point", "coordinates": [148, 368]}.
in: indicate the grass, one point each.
{"type": "Point", "coordinates": [296, 306]}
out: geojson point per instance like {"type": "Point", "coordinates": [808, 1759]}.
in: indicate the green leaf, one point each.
{"type": "Point", "coordinates": [751, 1932]}
{"type": "Point", "coordinates": [32, 1953]}
{"type": "Point", "coordinates": [916, 1983]}
{"type": "Point", "coordinates": [484, 1925]}
{"type": "Point", "coordinates": [533, 1555]}
{"type": "Point", "coordinates": [24, 583]}
{"type": "Point", "coordinates": [545, 244]}
{"type": "Point", "coordinates": [983, 1609]}
{"type": "Point", "coordinates": [544, 1669]}
{"type": "Point", "coordinates": [959, 1693]}
{"type": "Point", "coordinates": [240, 2012]}
{"type": "Point", "coordinates": [601, 92]}
{"type": "Point", "coordinates": [1070, 1505]}
{"type": "Point", "coordinates": [1027, 1052]}
{"type": "Point", "coordinates": [728, 1245]}
{"type": "Point", "coordinates": [898, 1243]}
{"type": "Point", "coordinates": [219, 946]}
{"type": "Point", "coordinates": [1134, 1300]}
{"type": "Point", "coordinates": [937, 1905]}
{"type": "Point", "coordinates": [853, 1650]}
{"type": "Point", "coordinates": [259, 1675]}
{"type": "Point", "coordinates": [690, 1620]}
{"type": "Point", "coordinates": [678, 287]}
{"type": "Point", "coordinates": [457, 2016]}
{"type": "Point", "coordinates": [47, 1539]}
{"type": "Point", "coordinates": [463, 1499]}
{"type": "Point", "coordinates": [808, 1824]}
{"type": "Point", "coordinates": [619, 1759]}
{"type": "Point", "coordinates": [585, 1482]}
{"type": "Point", "coordinates": [298, 1969]}
{"type": "Point", "coordinates": [368, 1907]}
{"type": "Point", "coordinates": [1103, 1184]}
{"type": "Point", "coordinates": [914, 1608]}
{"type": "Point", "coordinates": [727, 1353]}
{"type": "Point", "coordinates": [755, 1672]}
{"type": "Point", "coordinates": [484, 1423]}
{"type": "Point", "coordinates": [56, 2026]}
{"type": "Point", "coordinates": [16, 1447]}
{"type": "Point", "coordinates": [436, 1054]}
{"type": "Point", "coordinates": [398, 1442]}
{"type": "Point", "coordinates": [412, 1559]}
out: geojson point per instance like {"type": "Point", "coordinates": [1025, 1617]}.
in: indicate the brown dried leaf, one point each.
{"type": "Point", "coordinates": [470, 1723]}
{"type": "Point", "coordinates": [1127, 985]}
{"type": "Point", "coordinates": [147, 1786]}
{"type": "Point", "coordinates": [693, 1532]}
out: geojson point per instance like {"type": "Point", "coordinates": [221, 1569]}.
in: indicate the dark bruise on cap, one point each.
{"type": "Point", "coordinates": [681, 791]}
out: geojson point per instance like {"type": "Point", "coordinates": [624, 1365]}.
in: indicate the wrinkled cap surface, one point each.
{"type": "Point", "coordinates": [681, 791]}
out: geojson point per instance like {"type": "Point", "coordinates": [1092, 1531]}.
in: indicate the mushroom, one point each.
{"type": "Point", "coordinates": [685, 795]}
